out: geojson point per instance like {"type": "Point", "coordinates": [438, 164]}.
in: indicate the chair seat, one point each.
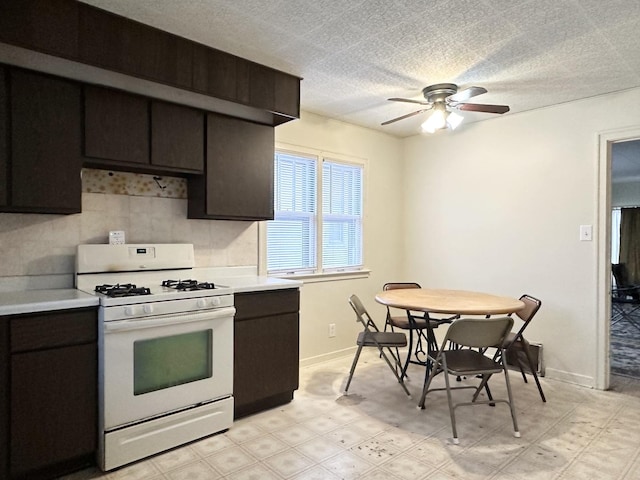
{"type": "Point", "coordinates": [469, 362]}
{"type": "Point", "coordinates": [384, 339]}
{"type": "Point", "coordinates": [420, 323]}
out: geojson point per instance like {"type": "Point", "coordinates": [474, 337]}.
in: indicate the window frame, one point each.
{"type": "Point", "coordinates": [319, 274]}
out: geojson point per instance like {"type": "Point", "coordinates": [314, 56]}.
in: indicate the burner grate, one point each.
{"type": "Point", "coordinates": [188, 285]}
{"type": "Point", "coordinates": [122, 290]}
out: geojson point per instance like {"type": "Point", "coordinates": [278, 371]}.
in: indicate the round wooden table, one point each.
{"type": "Point", "coordinates": [455, 302]}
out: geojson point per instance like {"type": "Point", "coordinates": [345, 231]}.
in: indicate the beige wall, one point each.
{"type": "Point", "coordinates": [496, 206]}
{"type": "Point", "coordinates": [38, 251]}
{"type": "Point", "coordinates": [323, 303]}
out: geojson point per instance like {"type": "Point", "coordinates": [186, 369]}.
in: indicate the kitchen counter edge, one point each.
{"type": "Point", "coordinates": [32, 301]}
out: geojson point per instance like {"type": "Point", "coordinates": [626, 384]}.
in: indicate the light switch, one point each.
{"type": "Point", "coordinates": [586, 233]}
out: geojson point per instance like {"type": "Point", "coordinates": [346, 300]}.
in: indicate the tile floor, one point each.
{"type": "Point", "coordinates": [376, 432]}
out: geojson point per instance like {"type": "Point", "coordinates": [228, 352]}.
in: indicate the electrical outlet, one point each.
{"type": "Point", "coordinates": [332, 330]}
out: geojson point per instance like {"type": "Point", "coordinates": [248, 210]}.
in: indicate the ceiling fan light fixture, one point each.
{"type": "Point", "coordinates": [436, 121]}
{"type": "Point", "coordinates": [454, 120]}
{"type": "Point", "coordinates": [440, 119]}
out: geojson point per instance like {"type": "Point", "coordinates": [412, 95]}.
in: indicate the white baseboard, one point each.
{"type": "Point", "coordinates": [305, 362]}
{"type": "Point", "coordinates": [568, 377]}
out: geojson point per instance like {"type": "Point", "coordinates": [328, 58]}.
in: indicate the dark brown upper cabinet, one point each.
{"type": "Point", "coordinates": [49, 26]}
{"type": "Point", "coordinates": [86, 34]}
{"type": "Point", "coordinates": [116, 125]}
{"type": "Point", "coordinates": [215, 72]}
{"type": "Point", "coordinates": [126, 46]}
{"type": "Point", "coordinates": [45, 144]}
{"type": "Point", "coordinates": [238, 180]}
{"type": "Point", "coordinates": [4, 137]}
{"type": "Point", "coordinates": [177, 137]}
{"type": "Point", "coordinates": [131, 132]}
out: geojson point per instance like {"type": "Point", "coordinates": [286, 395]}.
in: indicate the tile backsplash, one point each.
{"type": "Point", "coordinates": [38, 251]}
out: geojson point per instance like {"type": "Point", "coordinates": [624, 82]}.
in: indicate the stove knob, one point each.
{"type": "Point", "coordinates": [131, 310]}
{"type": "Point", "coordinates": [201, 302]}
{"type": "Point", "coordinates": [215, 301]}
{"type": "Point", "coordinates": [148, 308]}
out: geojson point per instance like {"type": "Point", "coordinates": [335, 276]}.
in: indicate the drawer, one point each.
{"type": "Point", "coordinates": [264, 304]}
{"type": "Point", "coordinates": [53, 329]}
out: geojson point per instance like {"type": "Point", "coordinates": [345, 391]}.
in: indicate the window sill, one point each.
{"type": "Point", "coordinates": [326, 277]}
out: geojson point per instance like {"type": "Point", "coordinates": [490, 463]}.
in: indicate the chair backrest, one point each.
{"type": "Point", "coordinates": [361, 313]}
{"type": "Point", "coordinates": [479, 332]}
{"type": "Point", "coordinates": [531, 307]}
{"type": "Point", "coordinates": [399, 285]}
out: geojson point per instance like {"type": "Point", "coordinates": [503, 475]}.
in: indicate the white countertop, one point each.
{"type": "Point", "coordinates": [29, 301]}
{"type": "Point", "coordinates": [244, 279]}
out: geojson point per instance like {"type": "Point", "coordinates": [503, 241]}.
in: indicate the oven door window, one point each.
{"type": "Point", "coordinates": [165, 362]}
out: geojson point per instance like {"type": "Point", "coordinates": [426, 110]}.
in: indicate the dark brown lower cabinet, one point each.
{"type": "Point", "coordinates": [50, 399]}
{"type": "Point", "coordinates": [266, 349]}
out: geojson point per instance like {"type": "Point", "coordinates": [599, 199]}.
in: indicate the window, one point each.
{"type": "Point", "coordinates": [317, 225]}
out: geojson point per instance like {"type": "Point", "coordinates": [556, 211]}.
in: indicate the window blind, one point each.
{"type": "Point", "coordinates": [292, 235]}
{"type": "Point", "coordinates": [341, 216]}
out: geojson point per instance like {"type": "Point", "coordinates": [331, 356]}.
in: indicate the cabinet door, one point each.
{"type": "Point", "coordinates": [4, 396]}
{"type": "Point", "coordinates": [46, 138]}
{"type": "Point", "coordinates": [214, 72]}
{"type": "Point", "coordinates": [116, 125]}
{"type": "Point", "coordinates": [177, 137]}
{"type": "Point", "coordinates": [49, 26]}
{"type": "Point", "coordinates": [4, 141]}
{"type": "Point", "coordinates": [123, 45]}
{"type": "Point", "coordinates": [53, 407]}
{"type": "Point", "coordinates": [239, 170]}
{"type": "Point", "coordinates": [265, 362]}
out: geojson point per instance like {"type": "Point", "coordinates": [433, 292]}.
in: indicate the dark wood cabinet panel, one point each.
{"type": "Point", "coordinates": [48, 399]}
{"type": "Point", "coordinates": [4, 396]}
{"type": "Point", "coordinates": [4, 138]}
{"type": "Point", "coordinates": [266, 350]}
{"type": "Point", "coordinates": [214, 72]}
{"type": "Point", "coordinates": [177, 137]}
{"type": "Point", "coordinates": [49, 26]}
{"type": "Point", "coordinates": [116, 125]}
{"type": "Point", "coordinates": [238, 182]}
{"type": "Point", "coordinates": [46, 138]}
{"type": "Point", "coordinates": [117, 43]}
{"type": "Point", "coordinates": [53, 408]}
{"type": "Point", "coordinates": [287, 96]}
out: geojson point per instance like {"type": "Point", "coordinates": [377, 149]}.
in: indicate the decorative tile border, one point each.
{"type": "Point", "coordinates": [134, 184]}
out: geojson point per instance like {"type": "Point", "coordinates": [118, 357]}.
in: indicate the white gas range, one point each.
{"type": "Point", "coordinates": [165, 348]}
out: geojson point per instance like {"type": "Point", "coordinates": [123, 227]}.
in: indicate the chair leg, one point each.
{"type": "Point", "coordinates": [394, 369]}
{"type": "Point", "coordinates": [428, 377]}
{"type": "Point", "coordinates": [353, 367]}
{"type": "Point", "coordinates": [452, 410]}
{"type": "Point", "coordinates": [534, 373]}
{"type": "Point", "coordinates": [512, 407]}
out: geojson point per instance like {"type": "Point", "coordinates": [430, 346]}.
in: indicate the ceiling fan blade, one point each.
{"type": "Point", "coordinates": [405, 116]}
{"type": "Point", "coordinates": [466, 94]}
{"type": "Point", "coordinates": [408, 100]}
{"type": "Point", "coordinates": [479, 107]}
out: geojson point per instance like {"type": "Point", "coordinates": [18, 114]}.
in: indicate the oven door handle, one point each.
{"type": "Point", "coordinates": [175, 319]}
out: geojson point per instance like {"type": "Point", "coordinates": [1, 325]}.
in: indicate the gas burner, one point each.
{"type": "Point", "coordinates": [122, 290]}
{"type": "Point", "coordinates": [188, 285]}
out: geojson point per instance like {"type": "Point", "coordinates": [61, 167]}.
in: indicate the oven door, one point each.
{"type": "Point", "coordinates": [155, 365]}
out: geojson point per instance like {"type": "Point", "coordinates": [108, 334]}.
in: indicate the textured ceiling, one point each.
{"type": "Point", "coordinates": [353, 55]}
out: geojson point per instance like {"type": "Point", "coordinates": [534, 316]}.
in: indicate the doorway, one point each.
{"type": "Point", "coordinates": [624, 339]}
{"type": "Point", "coordinates": [604, 284]}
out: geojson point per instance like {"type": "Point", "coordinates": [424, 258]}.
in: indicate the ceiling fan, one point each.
{"type": "Point", "coordinates": [442, 98]}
